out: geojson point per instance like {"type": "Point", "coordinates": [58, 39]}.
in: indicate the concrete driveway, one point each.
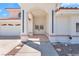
{"type": "Point", "coordinates": [7, 45]}
{"type": "Point", "coordinates": [33, 47]}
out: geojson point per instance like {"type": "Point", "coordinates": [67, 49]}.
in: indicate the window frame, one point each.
{"type": "Point", "coordinates": [77, 24]}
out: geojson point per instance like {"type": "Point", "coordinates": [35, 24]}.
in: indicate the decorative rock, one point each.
{"type": "Point", "coordinates": [66, 44]}
{"type": "Point", "coordinates": [69, 54]}
{"type": "Point", "coordinates": [54, 43]}
{"type": "Point", "coordinates": [58, 49]}
{"type": "Point", "coordinates": [70, 49]}
{"type": "Point", "coordinates": [18, 47]}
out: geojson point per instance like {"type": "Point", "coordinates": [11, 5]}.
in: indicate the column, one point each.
{"type": "Point", "coordinates": [50, 22]}
{"type": "Point", "coordinates": [30, 24]}
{"type": "Point", "coordinates": [24, 25]}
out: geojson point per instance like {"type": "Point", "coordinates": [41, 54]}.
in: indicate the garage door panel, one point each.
{"type": "Point", "coordinates": [9, 30]}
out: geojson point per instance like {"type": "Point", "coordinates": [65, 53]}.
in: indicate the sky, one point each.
{"type": "Point", "coordinates": [69, 5]}
{"type": "Point", "coordinates": [3, 12]}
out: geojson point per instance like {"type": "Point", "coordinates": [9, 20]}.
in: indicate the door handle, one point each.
{"type": "Point", "coordinates": [38, 28]}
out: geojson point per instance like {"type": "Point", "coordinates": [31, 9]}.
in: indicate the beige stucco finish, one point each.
{"type": "Point", "coordinates": [41, 11]}
{"type": "Point", "coordinates": [64, 21]}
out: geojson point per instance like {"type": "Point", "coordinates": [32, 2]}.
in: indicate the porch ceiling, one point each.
{"type": "Point", "coordinates": [38, 12]}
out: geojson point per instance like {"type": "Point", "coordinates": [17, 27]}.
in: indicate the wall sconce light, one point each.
{"type": "Point", "coordinates": [30, 16]}
{"type": "Point", "coordinates": [29, 19]}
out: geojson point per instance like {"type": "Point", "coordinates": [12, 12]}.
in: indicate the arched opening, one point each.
{"type": "Point", "coordinates": [39, 21]}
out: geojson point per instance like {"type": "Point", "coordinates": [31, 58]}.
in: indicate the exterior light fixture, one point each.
{"type": "Point", "coordinates": [30, 16]}
{"type": "Point", "coordinates": [29, 19]}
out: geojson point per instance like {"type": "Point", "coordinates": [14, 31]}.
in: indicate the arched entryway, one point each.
{"type": "Point", "coordinates": [39, 21]}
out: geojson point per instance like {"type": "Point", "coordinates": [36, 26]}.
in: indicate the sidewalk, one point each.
{"type": "Point", "coordinates": [7, 45]}
{"type": "Point", "coordinates": [28, 51]}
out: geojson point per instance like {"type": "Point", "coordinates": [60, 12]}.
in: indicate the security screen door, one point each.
{"type": "Point", "coordinates": [39, 26]}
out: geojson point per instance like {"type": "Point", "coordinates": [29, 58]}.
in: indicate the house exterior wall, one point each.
{"type": "Point", "coordinates": [65, 26]}
{"type": "Point", "coordinates": [47, 7]}
{"type": "Point", "coordinates": [61, 25]}
{"type": "Point", "coordinates": [30, 25]}
{"type": "Point", "coordinates": [75, 35]}
{"type": "Point", "coordinates": [61, 29]}
{"type": "Point", "coordinates": [64, 23]}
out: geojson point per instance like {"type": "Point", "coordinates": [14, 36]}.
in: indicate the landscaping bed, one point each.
{"type": "Point", "coordinates": [64, 49]}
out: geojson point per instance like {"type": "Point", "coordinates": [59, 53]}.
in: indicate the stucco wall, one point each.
{"type": "Point", "coordinates": [74, 34]}
{"type": "Point", "coordinates": [61, 28]}
{"type": "Point", "coordinates": [30, 24]}
{"type": "Point", "coordinates": [61, 25]}
{"type": "Point", "coordinates": [64, 26]}
{"type": "Point", "coordinates": [74, 20]}
{"type": "Point", "coordinates": [47, 7]}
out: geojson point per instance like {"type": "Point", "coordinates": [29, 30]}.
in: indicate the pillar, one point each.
{"type": "Point", "coordinates": [24, 25]}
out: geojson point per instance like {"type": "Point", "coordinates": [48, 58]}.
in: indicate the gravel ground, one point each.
{"type": "Point", "coordinates": [66, 49]}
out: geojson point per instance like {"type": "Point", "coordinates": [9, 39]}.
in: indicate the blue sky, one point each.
{"type": "Point", "coordinates": [9, 5]}
{"type": "Point", "coordinates": [4, 12]}
{"type": "Point", "coordinates": [69, 5]}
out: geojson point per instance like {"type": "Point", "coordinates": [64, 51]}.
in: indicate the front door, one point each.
{"type": "Point", "coordinates": [39, 26]}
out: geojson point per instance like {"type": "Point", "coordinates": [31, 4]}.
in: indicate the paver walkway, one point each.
{"type": "Point", "coordinates": [47, 49]}
{"type": "Point", "coordinates": [37, 48]}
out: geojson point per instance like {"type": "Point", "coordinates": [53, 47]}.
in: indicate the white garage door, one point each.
{"type": "Point", "coordinates": [9, 30]}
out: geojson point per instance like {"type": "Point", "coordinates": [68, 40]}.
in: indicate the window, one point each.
{"type": "Point", "coordinates": [3, 24]}
{"type": "Point", "coordinates": [17, 24]}
{"type": "Point", "coordinates": [52, 21]}
{"type": "Point", "coordinates": [77, 27]}
{"type": "Point", "coordinates": [19, 15]}
{"type": "Point", "coordinates": [41, 27]}
{"type": "Point", "coordinates": [10, 24]}
{"type": "Point", "coordinates": [36, 27]}
{"type": "Point", "coordinates": [23, 20]}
